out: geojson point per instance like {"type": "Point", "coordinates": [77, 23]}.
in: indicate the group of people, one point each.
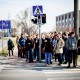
{"type": "Point", "coordinates": [63, 47]}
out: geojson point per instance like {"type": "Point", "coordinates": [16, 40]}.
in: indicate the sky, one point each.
{"type": "Point", "coordinates": [52, 8]}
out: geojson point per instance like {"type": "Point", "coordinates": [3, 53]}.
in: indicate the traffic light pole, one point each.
{"type": "Point", "coordinates": [76, 18]}
{"type": "Point", "coordinates": [39, 24]}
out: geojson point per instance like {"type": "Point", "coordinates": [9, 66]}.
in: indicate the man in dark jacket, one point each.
{"type": "Point", "coordinates": [30, 48]}
{"type": "Point", "coordinates": [10, 46]}
{"type": "Point", "coordinates": [72, 47]}
{"type": "Point", "coordinates": [37, 48]}
{"type": "Point", "coordinates": [48, 50]}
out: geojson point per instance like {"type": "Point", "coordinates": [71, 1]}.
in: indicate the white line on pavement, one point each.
{"type": "Point", "coordinates": [1, 67]}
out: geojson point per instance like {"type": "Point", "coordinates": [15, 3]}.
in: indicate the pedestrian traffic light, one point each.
{"type": "Point", "coordinates": [34, 20]}
{"type": "Point", "coordinates": [44, 18]}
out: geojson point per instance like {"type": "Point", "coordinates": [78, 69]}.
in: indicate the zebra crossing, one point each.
{"type": "Point", "coordinates": [65, 74]}
{"type": "Point", "coordinates": [3, 62]}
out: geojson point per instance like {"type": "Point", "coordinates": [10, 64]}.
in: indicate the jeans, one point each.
{"type": "Point", "coordinates": [47, 57]}
{"type": "Point", "coordinates": [64, 55]}
{"type": "Point", "coordinates": [31, 56]}
{"type": "Point", "coordinates": [59, 55]}
{"type": "Point", "coordinates": [37, 54]}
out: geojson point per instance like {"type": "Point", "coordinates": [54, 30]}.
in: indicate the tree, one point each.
{"type": "Point", "coordinates": [24, 21]}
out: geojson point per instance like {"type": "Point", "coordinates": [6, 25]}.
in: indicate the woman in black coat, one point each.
{"type": "Point", "coordinates": [10, 46]}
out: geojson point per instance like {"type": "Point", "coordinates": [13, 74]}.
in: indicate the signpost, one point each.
{"type": "Point", "coordinates": [38, 11]}
{"type": "Point", "coordinates": [4, 24]}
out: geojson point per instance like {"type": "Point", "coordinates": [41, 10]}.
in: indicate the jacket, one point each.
{"type": "Point", "coordinates": [48, 45]}
{"type": "Point", "coordinates": [22, 42]}
{"type": "Point", "coordinates": [59, 46]}
{"type": "Point", "coordinates": [10, 44]}
{"type": "Point", "coordinates": [71, 43]}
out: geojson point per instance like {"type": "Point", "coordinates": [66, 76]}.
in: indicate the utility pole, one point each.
{"type": "Point", "coordinates": [8, 30]}
{"type": "Point", "coordinates": [2, 39]}
{"type": "Point", "coordinates": [76, 19]}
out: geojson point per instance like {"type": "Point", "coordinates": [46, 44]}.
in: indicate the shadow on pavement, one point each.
{"type": "Point", "coordinates": [14, 63]}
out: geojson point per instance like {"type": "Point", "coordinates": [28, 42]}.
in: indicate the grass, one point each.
{"type": "Point", "coordinates": [6, 49]}
{"type": "Point", "coordinates": [5, 38]}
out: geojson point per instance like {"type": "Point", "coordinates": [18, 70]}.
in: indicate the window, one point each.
{"type": "Point", "coordinates": [59, 18]}
{"type": "Point", "coordinates": [69, 22]}
{"type": "Point", "coordinates": [73, 14]}
{"type": "Point", "coordinates": [56, 19]}
{"type": "Point", "coordinates": [62, 17]}
{"type": "Point", "coordinates": [69, 15]}
{"type": "Point", "coordinates": [65, 16]}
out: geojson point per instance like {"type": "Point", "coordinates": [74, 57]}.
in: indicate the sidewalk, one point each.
{"type": "Point", "coordinates": [4, 60]}
{"type": "Point", "coordinates": [20, 63]}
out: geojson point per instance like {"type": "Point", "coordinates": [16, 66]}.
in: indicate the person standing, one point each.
{"type": "Point", "coordinates": [78, 45]}
{"type": "Point", "coordinates": [37, 48]}
{"type": "Point", "coordinates": [22, 42]}
{"type": "Point", "coordinates": [59, 48]}
{"type": "Point", "coordinates": [72, 50]}
{"type": "Point", "coordinates": [54, 43]}
{"type": "Point", "coordinates": [17, 42]}
{"type": "Point", "coordinates": [10, 46]}
{"type": "Point", "coordinates": [64, 55]}
{"type": "Point", "coordinates": [30, 47]}
{"type": "Point", "coordinates": [48, 50]}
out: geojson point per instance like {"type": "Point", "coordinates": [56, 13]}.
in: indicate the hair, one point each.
{"type": "Point", "coordinates": [21, 33]}
{"type": "Point", "coordinates": [64, 34]}
{"type": "Point", "coordinates": [72, 33]}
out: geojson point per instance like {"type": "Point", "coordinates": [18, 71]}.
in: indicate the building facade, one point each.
{"type": "Point", "coordinates": [65, 22]}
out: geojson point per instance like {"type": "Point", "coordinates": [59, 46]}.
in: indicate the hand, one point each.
{"type": "Point", "coordinates": [78, 46]}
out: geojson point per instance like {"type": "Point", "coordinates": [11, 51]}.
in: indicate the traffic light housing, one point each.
{"type": "Point", "coordinates": [34, 20]}
{"type": "Point", "coordinates": [44, 18]}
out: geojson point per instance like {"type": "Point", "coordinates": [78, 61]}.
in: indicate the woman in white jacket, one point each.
{"type": "Point", "coordinates": [59, 48]}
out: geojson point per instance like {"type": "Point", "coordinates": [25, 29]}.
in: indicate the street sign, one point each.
{"type": "Point", "coordinates": [37, 10]}
{"type": "Point", "coordinates": [1, 24]}
{"type": "Point", "coordinates": [5, 24]}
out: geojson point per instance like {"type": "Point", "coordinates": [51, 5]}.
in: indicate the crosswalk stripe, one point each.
{"type": "Point", "coordinates": [78, 78]}
{"type": "Point", "coordinates": [61, 72]}
{"type": "Point", "coordinates": [1, 67]}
